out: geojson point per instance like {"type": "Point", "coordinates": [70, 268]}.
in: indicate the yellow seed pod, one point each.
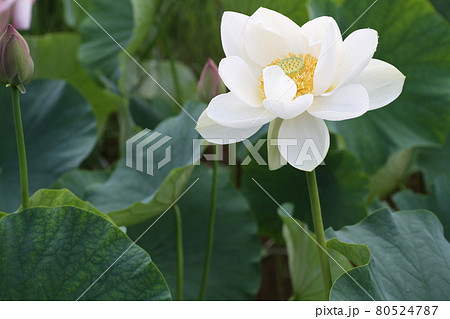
{"type": "Point", "coordinates": [291, 65]}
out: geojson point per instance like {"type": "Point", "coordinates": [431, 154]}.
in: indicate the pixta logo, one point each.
{"type": "Point", "coordinates": [148, 151]}
{"type": "Point", "coordinates": [145, 150]}
{"type": "Point", "coordinates": [300, 151]}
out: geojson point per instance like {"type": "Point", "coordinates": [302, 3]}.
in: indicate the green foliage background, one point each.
{"type": "Point", "coordinates": [92, 91]}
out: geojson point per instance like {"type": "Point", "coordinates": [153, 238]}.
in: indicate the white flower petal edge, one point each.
{"type": "Point", "coordinates": [277, 85]}
{"type": "Point", "coordinates": [305, 141]}
{"type": "Point", "coordinates": [359, 48]}
{"type": "Point", "coordinates": [274, 157]}
{"type": "Point", "coordinates": [232, 32]}
{"type": "Point", "coordinates": [218, 134]}
{"type": "Point", "coordinates": [227, 110]}
{"type": "Point", "coordinates": [240, 80]}
{"type": "Point", "coordinates": [263, 43]}
{"type": "Point", "coordinates": [291, 109]}
{"type": "Point", "coordinates": [383, 82]}
{"type": "Point", "coordinates": [290, 31]}
{"type": "Point", "coordinates": [327, 64]}
{"type": "Point", "coordinates": [315, 31]}
{"type": "Point", "coordinates": [345, 103]}
{"type": "Point", "coordinates": [280, 90]}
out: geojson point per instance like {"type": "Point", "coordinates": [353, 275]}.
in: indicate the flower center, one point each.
{"type": "Point", "coordinates": [300, 68]}
{"type": "Point", "coordinates": [291, 65]}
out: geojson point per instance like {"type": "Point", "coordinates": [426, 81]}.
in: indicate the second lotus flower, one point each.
{"type": "Point", "coordinates": [17, 10]}
{"type": "Point", "coordinates": [295, 78]}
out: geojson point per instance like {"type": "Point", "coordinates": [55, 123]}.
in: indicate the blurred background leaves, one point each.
{"type": "Point", "coordinates": [88, 97]}
{"type": "Point", "coordinates": [60, 132]}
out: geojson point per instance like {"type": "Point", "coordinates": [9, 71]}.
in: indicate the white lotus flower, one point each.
{"type": "Point", "coordinates": [294, 77]}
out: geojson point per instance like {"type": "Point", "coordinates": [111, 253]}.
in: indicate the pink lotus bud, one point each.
{"type": "Point", "coordinates": [16, 65]}
{"type": "Point", "coordinates": [5, 14]}
{"type": "Point", "coordinates": [210, 84]}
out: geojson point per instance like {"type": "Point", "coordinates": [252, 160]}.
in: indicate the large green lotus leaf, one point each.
{"type": "Point", "coordinates": [303, 258]}
{"type": "Point", "coordinates": [409, 258]}
{"type": "Point", "coordinates": [149, 113]}
{"type": "Point", "coordinates": [357, 254]}
{"type": "Point", "coordinates": [129, 23]}
{"type": "Point", "coordinates": [437, 200]}
{"type": "Point", "coordinates": [99, 52]}
{"type": "Point", "coordinates": [433, 162]}
{"type": "Point", "coordinates": [67, 250]}
{"type": "Point", "coordinates": [62, 197]}
{"type": "Point", "coordinates": [415, 39]}
{"type": "Point", "coordinates": [145, 30]}
{"type": "Point", "coordinates": [73, 14]}
{"type": "Point", "coordinates": [130, 196]}
{"type": "Point", "coordinates": [388, 178]}
{"type": "Point", "coordinates": [60, 131]}
{"type": "Point", "coordinates": [443, 7]}
{"type": "Point", "coordinates": [235, 270]}
{"type": "Point", "coordinates": [182, 87]}
{"type": "Point", "coordinates": [343, 189]}
{"type": "Point", "coordinates": [362, 285]}
{"type": "Point", "coordinates": [143, 16]}
{"type": "Point", "coordinates": [55, 57]}
{"type": "Point", "coordinates": [79, 180]}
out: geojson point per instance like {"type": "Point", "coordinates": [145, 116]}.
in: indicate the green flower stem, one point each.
{"type": "Point", "coordinates": [126, 125]}
{"type": "Point", "coordinates": [20, 147]}
{"type": "Point", "coordinates": [180, 255]}
{"type": "Point", "coordinates": [318, 229]}
{"type": "Point", "coordinates": [212, 217]}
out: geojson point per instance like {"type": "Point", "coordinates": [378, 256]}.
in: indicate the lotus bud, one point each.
{"type": "Point", "coordinates": [210, 84]}
{"type": "Point", "coordinates": [16, 65]}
